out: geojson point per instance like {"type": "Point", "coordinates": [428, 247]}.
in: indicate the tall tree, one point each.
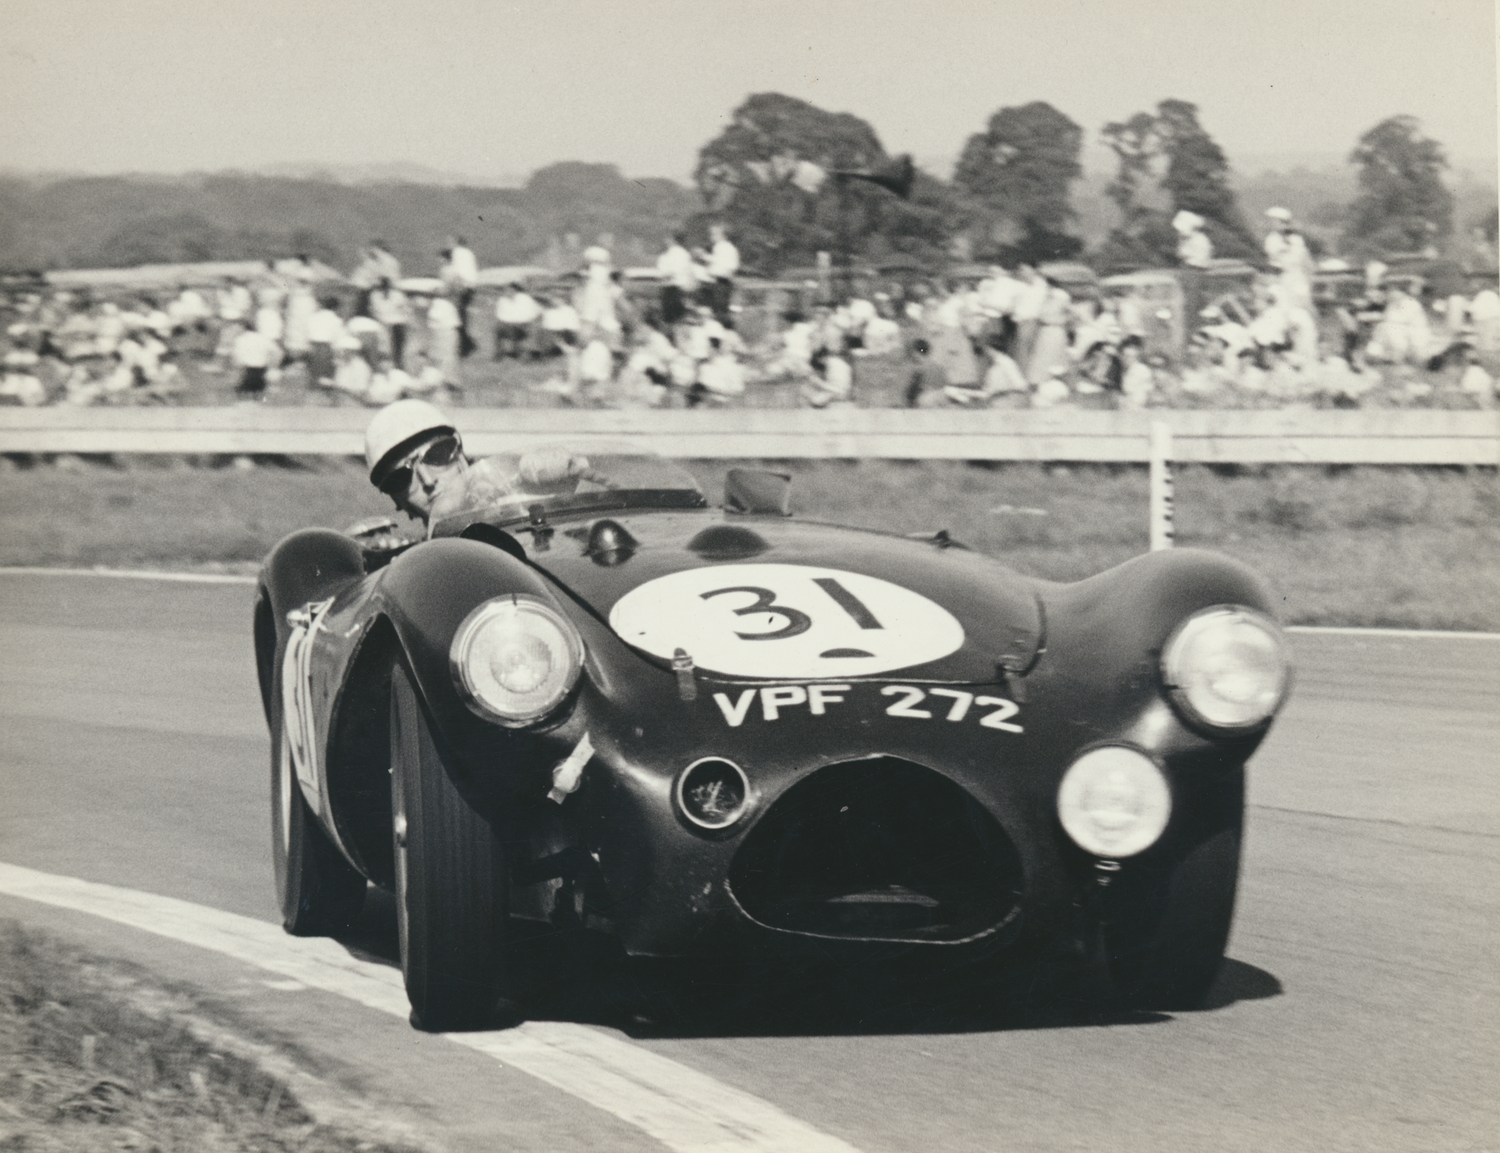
{"type": "Point", "coordinates": [1197, 178]}
{"type": "Point", "coordinates": [1169, 153]}
{"type": "Point", "coordinates": [766, 177]}
{"type": "Point", "coordinates": [1144, 236]}
{"type": "Point", "coordinates": [1018, 172]}
{"type": "Point", "coordinates": [1403, 204]}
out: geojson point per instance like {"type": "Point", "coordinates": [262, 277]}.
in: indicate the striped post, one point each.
{"type": "Point", "coordinates": [1161, 485]}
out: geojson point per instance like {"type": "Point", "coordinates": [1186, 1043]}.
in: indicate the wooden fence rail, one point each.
{"type": "Point", "coordinates": [1238, 437]}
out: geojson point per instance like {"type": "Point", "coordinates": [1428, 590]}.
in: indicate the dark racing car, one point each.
{"type": "Point", "coordinates": [714, 731]}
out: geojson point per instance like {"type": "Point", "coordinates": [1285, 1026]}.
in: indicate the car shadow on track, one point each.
{"type": "Point", "coordinates": [579, 976]}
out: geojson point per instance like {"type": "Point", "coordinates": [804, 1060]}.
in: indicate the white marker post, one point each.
{"type": "Point", "coordinates": [1161, 485]}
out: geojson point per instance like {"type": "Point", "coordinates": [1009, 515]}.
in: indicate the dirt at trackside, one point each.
{"type": "Point", "coordinates": [93, 1058]}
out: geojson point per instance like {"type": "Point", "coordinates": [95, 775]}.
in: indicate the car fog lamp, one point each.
{"type": "Point", "coordinates": [1227, 668]}
{"type": "Point", "coordinates": [713, 793]}
{"type": "Point", "coordinates": [1114, 802]}
{"type": "Point", "coordinates": [514, 659]}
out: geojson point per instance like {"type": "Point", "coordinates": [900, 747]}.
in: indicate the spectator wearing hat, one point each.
{"type": "Point", "coordinates": [596, 296]}
{"type": "Point", "coordinates": [1287, 252]}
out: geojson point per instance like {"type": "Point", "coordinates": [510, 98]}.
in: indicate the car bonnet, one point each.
{"type": "Point", "coordinates": [766, 598]}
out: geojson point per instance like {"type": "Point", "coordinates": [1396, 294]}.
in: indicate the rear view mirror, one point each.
{"type": "Point", "coordinates": [757, 490]}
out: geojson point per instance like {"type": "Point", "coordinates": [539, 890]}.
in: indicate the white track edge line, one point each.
{"type": "Point", "coordinates": [207, 578]}
{"type": "Point", "coordinates": [686, 1110]}
{"type": "Point", "coordinates": [1417, 634]}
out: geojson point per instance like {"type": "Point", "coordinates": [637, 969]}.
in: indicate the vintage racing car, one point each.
{"type": "Point", "coordinates": [712, 730]}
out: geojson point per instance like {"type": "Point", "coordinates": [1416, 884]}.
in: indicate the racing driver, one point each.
{"type": "Point", "coordinates": [416, 458]}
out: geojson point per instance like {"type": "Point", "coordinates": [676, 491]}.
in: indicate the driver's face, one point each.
{"type": "Point", "coordinates": [429, 467]}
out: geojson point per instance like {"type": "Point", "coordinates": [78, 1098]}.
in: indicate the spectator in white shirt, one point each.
{"type": "Point", "coordinates": [721, 263]}
{"type": "Point", "coordinates": [324, 328]}
{"type": "Point", "coordinates": [444, 326]}
{"type": "Point", "coordinates": [189, 311]}
{"type": "Point", "coordinates": [461, 273]}
{"type": "Point", "coordinates": [679, 279]}
{"type": "Point", "coordinates": [1194, 248]}
{"type": "Point", "coordinates": [720, 376]}
{"type": "Point", "coordinates": [252, 353]}
{"type": "Point", "coordinates": [516, 314]}
{"type": "Point", "coordinates": [1484, 316]}
{"type": "Point", "coordinates": [374, 342]}
{"type": "Point", "coordinates": [595, 298]}
{"type": "Point", "coordinates": [1288, 253]}
{"type": "Point", "coordinates": [559, 326]}
{"type": "Point", "coordinates": [1405, 333]}
{"type": "Point", "coordinates": [1476, 382]}
{"type": "Point", "coordinates": [1136, 378]}
{"type": "Point", "coordinates": [301, 305]}
{"type": "Point", "coordinates": [832, 381]}
{"type": "Point", "coordinates": [351, 373]}
{"type": "Point", "coordinates": [389, 305]}
{"type": "Point", "coordinates": [1028, 312]}
{"type": "Point", "coordinates": [389, 383]}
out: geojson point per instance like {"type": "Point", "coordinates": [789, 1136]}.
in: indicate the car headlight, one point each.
{"type": "Point", "coordinates": [1226, 667]}
{"type": "Point", "coordinates": [514, 659]}
{"type": "Point", "coordinates": [1114, 802]}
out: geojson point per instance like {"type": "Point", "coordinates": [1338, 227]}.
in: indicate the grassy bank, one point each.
{"type": "Point", "coordinates": [1402, 547]}
{"type": "Point", "coordinates": [84, 1067]}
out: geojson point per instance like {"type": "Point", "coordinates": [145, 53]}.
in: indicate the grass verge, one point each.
{"type": "Point", "coordinates": [93, 1058]}
{"type": "Point", "coordinates": [1398, 547]}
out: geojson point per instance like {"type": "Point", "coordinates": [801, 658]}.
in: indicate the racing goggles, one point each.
{"type": "Point", "coordinates": [439, 453]}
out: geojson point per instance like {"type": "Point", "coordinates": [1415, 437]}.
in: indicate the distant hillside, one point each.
{"type": "Point", "coordinates": [115, 221]}
{"type": "Point", "coordinates": [61, 221]}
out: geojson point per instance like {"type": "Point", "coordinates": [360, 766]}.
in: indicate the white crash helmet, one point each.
{"type": "Point", "coordinates": [398, 428]}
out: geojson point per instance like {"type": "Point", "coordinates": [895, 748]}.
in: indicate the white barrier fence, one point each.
{"type": "Point", "coordinates": [1229, 437]}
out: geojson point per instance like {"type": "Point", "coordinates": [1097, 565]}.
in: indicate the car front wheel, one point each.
{"type": "Point", "coordinates": [451, 885]}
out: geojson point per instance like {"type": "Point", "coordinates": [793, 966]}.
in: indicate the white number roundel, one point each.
{"type": "Point", "coordinates": [785, 620]}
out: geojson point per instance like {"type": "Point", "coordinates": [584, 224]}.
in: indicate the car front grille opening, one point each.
{"type": "Point", "coordinates": [881, 850]}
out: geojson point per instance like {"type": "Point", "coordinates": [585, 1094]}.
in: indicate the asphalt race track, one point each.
{"type": "Point", "coordinates": [1360, 1009]}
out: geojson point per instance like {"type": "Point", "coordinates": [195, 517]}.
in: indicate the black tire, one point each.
{"type": "Point", "coordinates": [1166, 953]}
{"type": "Point", "coordinates": [320, 893]}
{"type": "Point", "coordinates": [451, 884]}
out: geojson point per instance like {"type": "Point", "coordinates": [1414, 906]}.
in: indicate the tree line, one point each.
{"type": "Point", "coordinates": [790, 179]}
{"type": "Point", "coordinates": [778, 175]}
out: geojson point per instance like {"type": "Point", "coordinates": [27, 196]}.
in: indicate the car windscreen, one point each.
{"type": "Point", "coordinates": [510, 488]}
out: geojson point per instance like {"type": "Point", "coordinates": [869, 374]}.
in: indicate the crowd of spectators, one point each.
{"type": "Point", "coordinates": [1009, 338]}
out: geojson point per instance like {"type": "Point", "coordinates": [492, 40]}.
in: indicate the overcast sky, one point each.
{"type": "Point", "coordinates": [492, 88]}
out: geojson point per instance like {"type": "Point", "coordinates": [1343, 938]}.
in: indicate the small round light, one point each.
{"type": "Point", "coordinates": [713, 793]}
{"type": "Point", "coordinates": [514, 659]}
{"type": "Point", "coordinates": [1227, 667]}
{"type": "Point", "coordinates": [1114, 802]}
